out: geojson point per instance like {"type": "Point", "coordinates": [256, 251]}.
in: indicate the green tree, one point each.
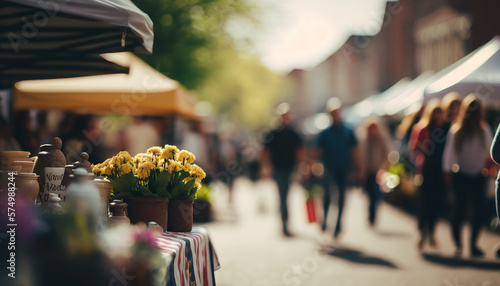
{"type": "Point", "coordinates": [186, 32]}
{"type": "Point", "coordinates": [242, 89]}
{"type": "Point", "coordinates": [192, 46]}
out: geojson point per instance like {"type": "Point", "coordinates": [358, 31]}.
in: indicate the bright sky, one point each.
{"type": "Point", "coordinates": [302, 33]}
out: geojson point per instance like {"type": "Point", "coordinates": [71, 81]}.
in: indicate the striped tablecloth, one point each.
{"type": "Point", "coordinates": [191, 258]}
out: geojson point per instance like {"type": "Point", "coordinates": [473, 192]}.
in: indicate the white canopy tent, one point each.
{"type": "Point", "coordinates": [374, 105]}
{"type": "Point", "coordinates": [478, 72]}
{"type": "Point", "coordinates": [411, 98]}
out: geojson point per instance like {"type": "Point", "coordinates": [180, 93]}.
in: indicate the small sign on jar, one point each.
{"type": "Point", "coordinates": [53, 179]}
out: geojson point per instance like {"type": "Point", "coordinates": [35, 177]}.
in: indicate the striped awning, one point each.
{"type": "Point", "coordinates": [54, 38]}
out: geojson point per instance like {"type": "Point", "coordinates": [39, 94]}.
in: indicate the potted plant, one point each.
{"type": "Point", "coordinates": [148, 180]}
{"type": "Point", "coordinates": [180, 213]}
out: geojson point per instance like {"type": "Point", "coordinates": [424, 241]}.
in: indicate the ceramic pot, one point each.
{"type": "Point", "coordinates": [84, 162]}
{"type": "Point", "coordinates": [50, 164]}
{"type": "Point", "coordinates": [83, 197]}
{"type": "Point", "coordinates": [67, 179]}
{"type": "Point", "coordinates": [26, 166]}
{"type": "Point", "coordinates": [27, 186]}
{"type": "Point", "coordinates": [180, 215]}
{"type": "Point", "coordinates": [144, 209]}
{"type": "Point", "coordinates": [118, 211]}
{"type": "Point", "coordinates": [104, 187]}
{"type": "Point", "coordinates": [8, 157]}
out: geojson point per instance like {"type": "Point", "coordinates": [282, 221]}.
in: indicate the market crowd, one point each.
{"type": "Point", "coordinates": [447, 145]}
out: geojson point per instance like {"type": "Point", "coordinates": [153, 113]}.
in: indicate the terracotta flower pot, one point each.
{"type": "Point", "coordinates": [180, 215]}
{"type": "Point", "coordinates": [142, 209]}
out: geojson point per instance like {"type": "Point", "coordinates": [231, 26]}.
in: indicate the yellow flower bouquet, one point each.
{"type": "Point", "coordinates": [160, 172]}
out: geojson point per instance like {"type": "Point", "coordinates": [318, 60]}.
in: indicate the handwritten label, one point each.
{"type": "Point", "coordinates": [53, 179]}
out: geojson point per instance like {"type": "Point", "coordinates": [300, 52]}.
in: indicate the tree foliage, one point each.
{"type": "Point", "coordinates": [191, 45]}
{"type": "Point", "coordinates": [185, 34]}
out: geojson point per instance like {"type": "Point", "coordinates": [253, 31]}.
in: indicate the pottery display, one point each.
{"type": "Point", "coordinates": [84, 162]}
{"type": "Point", "coordinates": [53, 206]}
{"type": "Point", "coordinates": [7, 157]}
{"type": "Point", "coordinates": [26, 166]}
{"type": "Point", "coordinates": [118, 210]}
{"type": "Point", "coordinates": [67, 179]}
{"type": "Point", "coordinates": [104, 187]}
{"type": "Point", "coordinates": [50, 167]}
{"type": "Point", "coordinates": [146, 209]}
{"type": "Point", "coordinates": [27, 186]}
{"type": "Point", "coordinates": [180, 215]}
{"type": "Point", "coordinates": [82, 197]}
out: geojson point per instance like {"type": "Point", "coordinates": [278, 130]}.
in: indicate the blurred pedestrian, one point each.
{"type": "Point", "coordinates": [283, 149]}
{"type": "Point", "coordinates": [403, 133]}
{"type": "Point", "coordinates": [337, 148]}
{"type": "Point", "coordinates": [451, 107]}
{"type": "Point", "coordinates": [375, 149]}
{"type": "Point", "coordinates": [427, 143]}
{"type": "Point", "coordinates": [466, 155]}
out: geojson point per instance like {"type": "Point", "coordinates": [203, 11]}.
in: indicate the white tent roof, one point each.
{"type": "Point", "coordinates": [478, 72]}
{"type": "Point", "coordinates": [412, 96]}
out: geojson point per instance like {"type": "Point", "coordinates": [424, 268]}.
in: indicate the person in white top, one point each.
{"type": "Point", "coordinates": [465, 158]}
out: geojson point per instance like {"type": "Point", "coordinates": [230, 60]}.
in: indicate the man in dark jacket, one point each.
{"type": "Point", "coordinates": [282, 151]}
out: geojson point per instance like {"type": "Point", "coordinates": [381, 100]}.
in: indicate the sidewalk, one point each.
{"type": "Point", "coordinates": [252, 250]}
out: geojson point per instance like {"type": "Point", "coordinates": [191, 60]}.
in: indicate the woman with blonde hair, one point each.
{"type": "Point", "coordinates": [426, 146]}
{"type": "Point", "coordinates": [466, 155]}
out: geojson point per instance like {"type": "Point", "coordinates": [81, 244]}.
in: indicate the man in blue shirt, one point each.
{"type": "Point", "coordinates": [337, 148]}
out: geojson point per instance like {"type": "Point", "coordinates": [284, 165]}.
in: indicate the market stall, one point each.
{"type": "Point", "coordinates": [54, 39]}
{"type": "Point", "coordinates": [143, 91]}
{"type": "Point", "coordinates": [478, 72]}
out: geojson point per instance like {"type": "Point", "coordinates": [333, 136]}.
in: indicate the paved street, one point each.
{"type": "Point", "coordinates": [252, 250]}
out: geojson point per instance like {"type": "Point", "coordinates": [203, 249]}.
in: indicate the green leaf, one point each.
{"type": "Point", "coordinates": [146, 192]}
{"type": "Point", "coordinates": [183, 175]}
{"type": "Point", "coordinates": [162, 192]}
{"type": "Point", "coordinates": [192, 193]}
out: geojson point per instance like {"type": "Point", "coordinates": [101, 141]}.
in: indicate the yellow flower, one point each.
{"type": "Point", "coordinates": [197, 185]}
{"type": "Point", "coordinates": [116, 161]}
{"type": "Point", "coordinates": [187, 167]}
{"type": "Point", "coordinates": [197, 173]}
{"type": "Point", "coordinates": [125, 156]}
{"type": "Point", "coordinates": [186, 157]}
{"type": "Point", "coordinates": [143, 157]}
{"type": "Point", "coordinates": [126, 168]}
{"type": "Point", "coordinates": [170, 152]}
{"type": "Point", "coordinates": [107, 170]}
{"type": "Point", "coordinates": [155, 150]}
{"type": "Point", "coordinates": [161, 162]}
{"type": "Point", "coordinates": [144, 169]}
{"type": "Point", "coordinates": [174, 166]}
